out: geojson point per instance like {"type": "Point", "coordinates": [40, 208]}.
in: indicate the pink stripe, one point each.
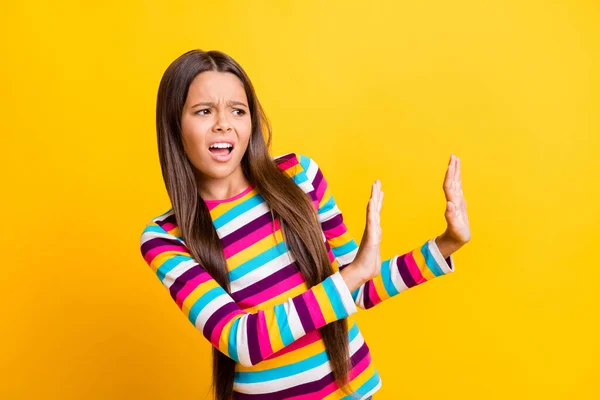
{"type": "Point", "coordinates": [273, 291]}
{"type": "Point", "coordinates": [167, 226]}
{"type": "Point", "coordinates": [263, 335]}
{"type": "Point", "coordinates": [289, 163]}
{"type": "Point", "coordinates": [413, 268]}
{"type": "Point", "coordinates": [150, 254]}
{"type": "Point", "coordinates": [374, 296]}
{"type": "Point", "coordinates": [339, 230]}
{"type": "Point", "coordinates": [249, 240]}
{"type": "Point", "coordinates": [189, 286]}
{"type": "Point", "coordinates": [218, 329]}
{"type": "Point", "coordinates": [321, 189]}
{"type": "Point", "coordinates": [302, 341]}
{"type": "Point", "coordinates": [332, 387]}
{"type": "Point", "coordinates": [315, 308]}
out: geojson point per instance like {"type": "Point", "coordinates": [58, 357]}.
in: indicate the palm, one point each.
{"type": "Point", "coordinates": [456, 207]}
{"type": "Point", "coordinates": [369, 255]}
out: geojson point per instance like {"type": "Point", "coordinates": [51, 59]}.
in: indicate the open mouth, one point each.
{"type": "Point", "coordinates": [220, 151]}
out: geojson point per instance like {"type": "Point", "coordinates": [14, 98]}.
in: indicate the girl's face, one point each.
{"type": "Point", "coordinates": [216, 111]}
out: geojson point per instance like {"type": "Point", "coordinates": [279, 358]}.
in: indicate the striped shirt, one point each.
{"type": "Point", "coordinates": [269, 324]}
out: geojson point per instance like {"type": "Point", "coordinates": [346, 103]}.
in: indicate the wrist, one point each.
{"type": "Point", "coordinates": [352, 276]}
{"type": "Point", "coordinates": [447, 245]}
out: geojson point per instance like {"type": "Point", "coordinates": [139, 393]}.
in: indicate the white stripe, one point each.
{"type": "Point", "coordinates": [294, 321]}
{"type": "Point", "coordinates": [396, 277]}
{"type": "Point", "coordinates": [242, 342]}
{"type": "Point", "coordinates": [149, 235]}
{"type": "Point", "coordinates": [345, 294]}
{"type": "Point", "coordinates": [208, 310]}
{"type": "Point", "coordinates": [179, 270]}
{"type": "Point", "coordinates": [360, 298]}
{"type": "Point", "coordinates": [243, 219]}
{"type": "Point", "coordinates": [376, 388]}
{"type": "Point", "coordinates": [439, 258]}
{"type": "Point", "coordinates": [305, 186]}
{"type": "Point", "coordinates": [327, 215]}
{"type": "Point", "coordinates": [312, 169]}
{"type": "Point", "coordinates": [261, 272]}
{"type": "Point", "coordinates": [294, 380]}
{"type": "Point", "coordinates": [348, 257]}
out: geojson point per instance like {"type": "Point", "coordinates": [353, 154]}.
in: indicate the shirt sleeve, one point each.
{"type": "Point", "coordinates": [247, 338]}
{"type": "Point", "coordinates": [398, 273]}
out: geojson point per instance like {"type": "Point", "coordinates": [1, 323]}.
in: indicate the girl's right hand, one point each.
{"type": "Point", "coordinates": [367, 263]}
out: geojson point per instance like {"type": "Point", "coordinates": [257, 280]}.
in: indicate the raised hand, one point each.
{"type": "Point", "coordinates": [458, 231]}
{"type": "Point", "coordinates": [368, 257]}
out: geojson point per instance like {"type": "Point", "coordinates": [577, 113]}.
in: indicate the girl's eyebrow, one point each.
{"type": "Point", "coordinates": [211, 104]}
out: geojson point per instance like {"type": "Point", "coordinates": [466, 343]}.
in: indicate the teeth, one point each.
{"type": "Point", "coordinates": [221, 145]}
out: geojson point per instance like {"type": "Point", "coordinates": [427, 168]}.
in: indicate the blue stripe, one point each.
{"type": "Point", "coordinates": [367, 386]}
{"type": "Point", "coordinates": [328, 206]}
{"type": "Point", "coordinates": [334, 298]}
{"type": "Point", "coordinates": [238, 210]}
{"type": "Point", "coordinates": [305, 161]}
{"type": "Point", "coordinates": [282, 322]}
{"type": "Point", "coordinates": [169, 264]}
{"type": "Point", "coordinates": [203, 302]}
{"type": "Point", "coordinates": [258, 261]}
{"type": "Point", "coordinates": [386, 275]}
{"type": "Point", "coordinates": [152, 228]}
{"type": "Point", "coordinates": [232, 345]}
{"type": "Point", "coordinates": [291, 369]}
{"type": "Point", "coordinates": [430, 260]}
{"type": "Point", "coordinates": [345, 248]}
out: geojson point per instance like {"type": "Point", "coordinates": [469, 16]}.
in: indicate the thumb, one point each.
{"type": "Point", "coordinates": [450, 208]}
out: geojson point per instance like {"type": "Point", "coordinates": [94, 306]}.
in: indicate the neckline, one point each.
{"type": "Point", "coordinates": [229, 199]}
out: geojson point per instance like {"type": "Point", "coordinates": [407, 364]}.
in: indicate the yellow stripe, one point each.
{"type": "Point", "coordinates": [301, 288]}
{"type": "Point", "coordinates": [161, 258]}
{"type": "Point", "coordinates": [289, 358]}
{"type": "Point", "coordinates": [420, 260]}
{"type": "Point", "coordinates": [222, 208]}
{"type": "Point", "coordinates": [355, 383]}
{"type": "Point", "coordinates": [292, 357]}
{"type": "Point", "coordinates": [378, 282]}
{"type": "Point", "coordinates": [324, 303]}
{"type": "Point", "coordinates": [255, 249]}
{"type": "Point", "coordinates": [273, 330]}
{"type": "Point", "coordinates": [197, 293]}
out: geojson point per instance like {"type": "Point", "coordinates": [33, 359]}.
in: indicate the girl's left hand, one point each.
{"type": "Point", "coordinates": [458, 231]}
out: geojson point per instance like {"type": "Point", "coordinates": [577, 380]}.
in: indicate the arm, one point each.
{"type": "Point", "coordinates": [247, 338]}
{"type": "Point", "coordinates": [398, 273]}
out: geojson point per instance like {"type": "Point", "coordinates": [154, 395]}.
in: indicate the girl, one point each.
{"type": "Point", "coordinates": [255, 252]}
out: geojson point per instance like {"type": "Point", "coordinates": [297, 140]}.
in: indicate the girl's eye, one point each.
{"type": "Point", "coordinates": [241, 112]}
{"type": "Point", "coordinates": [200, 111]}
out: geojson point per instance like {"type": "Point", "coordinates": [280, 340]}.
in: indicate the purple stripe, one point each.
{"type": "Point", "coordinates": [160, 241]}
{"type": "Point", "coordinates": [305, 388]}
{"type": "Point", "coordinates": [404, 272]}
{"type": "Point", "coordinates": [366, 295]}
{"type": "Point", "coordinates": [332, 223]}
{"type": "Point", "coordinates": [253, 343]}
{"type": "Point", "coordinates": [303, 314]}
{"type": "Point", "coordinates": [266, 283]}
{"type": "Point", "coordinates": [315, 183]}
{"type": "Point", "coordinates": [217, 316]}
{"type": "Point", "coordinates": [170, 219]}
{"type": "Point", "coordinates": [247, 229]}
{"type": "Point", "coordinates": [182, 279]}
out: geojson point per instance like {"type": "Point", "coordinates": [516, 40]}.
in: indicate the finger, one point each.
{"type": "Point", "coordinates": [447, 180]}
{"type": "Point", "coordinates": [458, 178]}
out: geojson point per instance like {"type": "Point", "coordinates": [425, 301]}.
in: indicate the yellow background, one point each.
{"type": "Point", "coordinates": [370, 90]}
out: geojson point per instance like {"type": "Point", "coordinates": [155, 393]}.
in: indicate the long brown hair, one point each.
{"type": "Point", "coordinates": [288, 202]}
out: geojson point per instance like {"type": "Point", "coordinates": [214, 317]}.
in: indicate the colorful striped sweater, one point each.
{"type": "Point", "coordinates": [269, 324]}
